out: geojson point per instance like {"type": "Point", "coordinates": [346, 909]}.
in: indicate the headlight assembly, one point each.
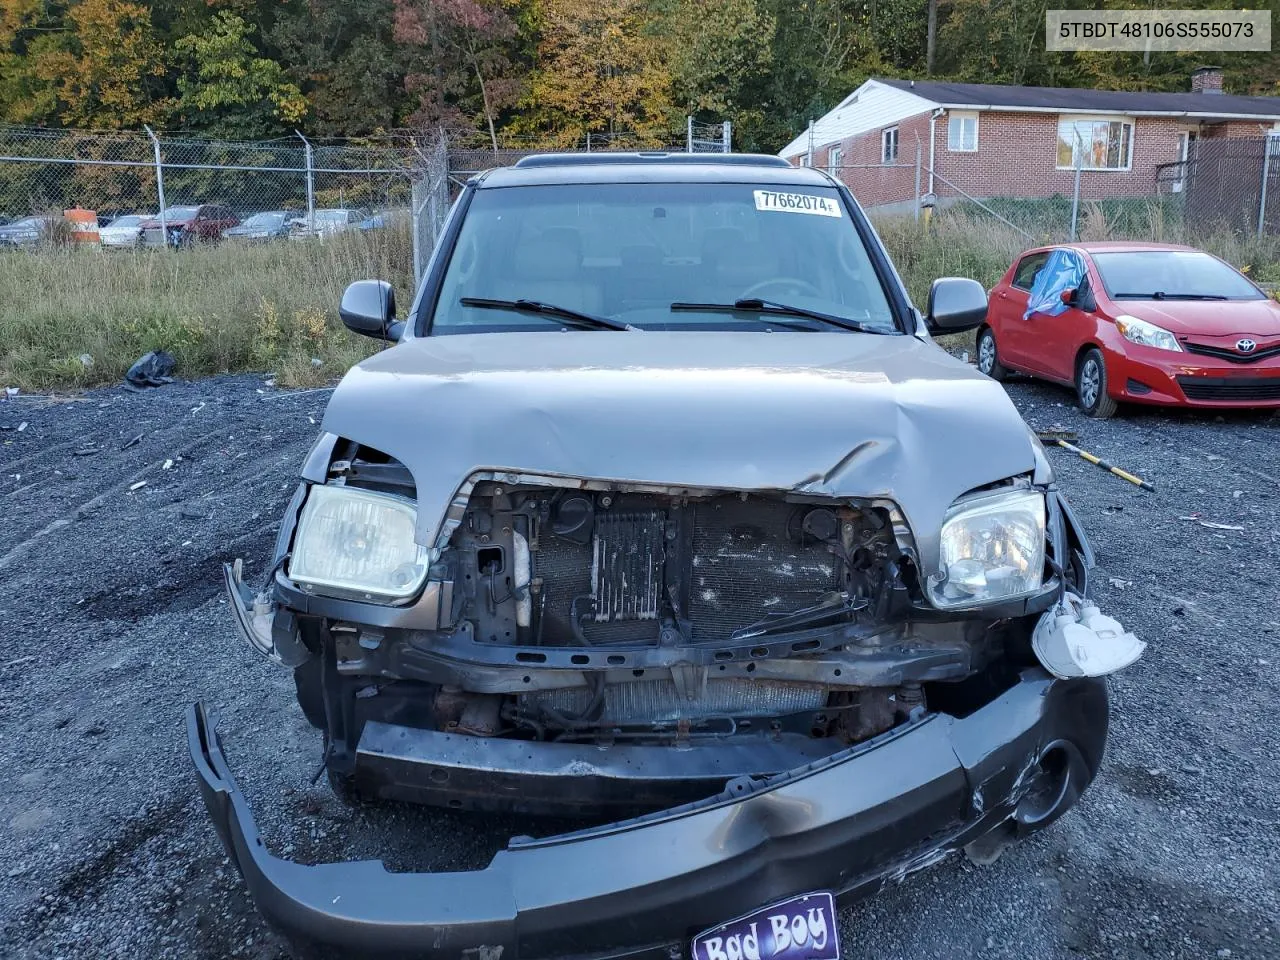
{"type": "Point", "coordinates": [1148, 334]}
{"type": "Point", "coordinates": [992, 549]}
{"type": "Point", "coordinates": [356, 543]}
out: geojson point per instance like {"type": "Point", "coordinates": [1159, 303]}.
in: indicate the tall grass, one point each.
{"type": "Point", "coordinates": [269, 307]}
{"type": "Point", "coordinates": [273, 308]}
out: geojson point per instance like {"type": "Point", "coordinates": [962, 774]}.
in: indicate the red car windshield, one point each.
{"type": "Point", "coordinates": [1171, 275]}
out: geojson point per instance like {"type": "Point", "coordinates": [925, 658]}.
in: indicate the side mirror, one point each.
{"type": "Point", "coordinates": [369, 308]}
{"type": "Point", "coordinates": [1068, 296]}
{"type": "Point", "coordinates": [955, 304]}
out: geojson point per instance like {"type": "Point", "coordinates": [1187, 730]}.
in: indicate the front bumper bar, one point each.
{"type": "Point", "coordinates": [641, 887]}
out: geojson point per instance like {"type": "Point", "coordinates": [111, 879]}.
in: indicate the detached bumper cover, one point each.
{"type": "Point", "coordinates": [866, 815]}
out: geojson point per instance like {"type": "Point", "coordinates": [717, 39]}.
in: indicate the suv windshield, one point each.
{"type": "Point", "coordinates": [628, 251]}
{"type": "Point", "coordinates": [1173, 275]}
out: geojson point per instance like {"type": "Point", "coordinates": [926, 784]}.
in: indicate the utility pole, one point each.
{"type": "Point", "coordinates": [931, 40]}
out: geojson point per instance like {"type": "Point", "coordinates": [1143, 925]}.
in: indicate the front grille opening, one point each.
{"type": "Point", "coordinates": [593, 569]}
{"type": "Point", "coordinates": [1230, 388]}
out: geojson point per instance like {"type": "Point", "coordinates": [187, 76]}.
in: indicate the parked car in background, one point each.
{"type": "Point", "coordinates": [124, 231]}
{"type": "Point", "coordinates": [26, 232]}
{"type": "Point", "coordinates": [188, 225]}
{"type": "Point", "coordinates": [325, 222]}
{"type": "Point", "coordinates": [268, 225]}
{"type": "Point", "coordinates": [1135, 322]}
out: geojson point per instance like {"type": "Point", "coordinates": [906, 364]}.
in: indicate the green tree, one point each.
{"type": "Point", "coordinates": [342, 55]}
{"type": "Point", "coordinates": [721, 56]}
{"type": "Point", "coordinates": [227, 90]}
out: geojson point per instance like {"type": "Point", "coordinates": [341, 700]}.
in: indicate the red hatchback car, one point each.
{"type": "Point", "coordinates": [1135, 322]}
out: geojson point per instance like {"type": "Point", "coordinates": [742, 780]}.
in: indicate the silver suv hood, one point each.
{"type": "Point", "coordinates": [836, 414]}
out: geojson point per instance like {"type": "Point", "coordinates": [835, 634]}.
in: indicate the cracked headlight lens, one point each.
{"type": "Point", "coordinates": [357, 543]}
{"type": "Point", "coordinates": [992, 549]}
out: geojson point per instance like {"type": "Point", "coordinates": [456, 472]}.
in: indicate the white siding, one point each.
{"type": "Point", "coordinates": [871, 106]}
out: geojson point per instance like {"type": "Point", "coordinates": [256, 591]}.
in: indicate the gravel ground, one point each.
{"type": "Point", "coordinates": [113, 623]}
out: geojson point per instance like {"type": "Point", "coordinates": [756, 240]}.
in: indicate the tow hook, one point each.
{"type": "Point", "coordinates": [256, 616]}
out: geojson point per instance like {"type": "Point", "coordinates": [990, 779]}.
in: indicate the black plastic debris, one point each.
{"type": "Point", "coordinates": [151, 370]}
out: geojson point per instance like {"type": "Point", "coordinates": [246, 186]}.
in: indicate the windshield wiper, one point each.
{"type": "Point", "coordinates": [587, 321]}
{"type": "Point", "coordinates": [1161, 295]}
{"type": "Point", "coordinates": [774, 309]}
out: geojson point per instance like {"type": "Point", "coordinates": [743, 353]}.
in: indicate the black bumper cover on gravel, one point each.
{"type": "Point", "coordinates": [874, 812]}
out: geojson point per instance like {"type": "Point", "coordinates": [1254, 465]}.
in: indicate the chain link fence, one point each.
{"type": "Point", "coordinates": [1226, 186]}
{"type": "Point", "coordinates": [137, 189]}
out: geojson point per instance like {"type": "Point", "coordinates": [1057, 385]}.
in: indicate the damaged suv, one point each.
{"type": "Point", "coordinates": [666, 511]}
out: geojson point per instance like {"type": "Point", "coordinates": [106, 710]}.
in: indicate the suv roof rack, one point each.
{"type": "Point", "coordinates": [657, 156]}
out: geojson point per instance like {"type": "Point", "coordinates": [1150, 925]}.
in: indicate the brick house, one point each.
{"type": "Point", "coordinates": [1025, 142]}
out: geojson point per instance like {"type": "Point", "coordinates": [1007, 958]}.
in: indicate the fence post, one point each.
{"type": "Point", "coordinates": [918, 160]}
{"type": "Point", "coordinates": [311, 182]}
{"type": "Point", "coordinates": [688, 134]}
{"type": "Point", "coordinates": [728, 137]}
{"type": "Point", "coordinates": [1075, 197]}
{"type": "Point", "coordinates": [155, 145]}
{"type": "Point", "coordinates": [1266, 175]}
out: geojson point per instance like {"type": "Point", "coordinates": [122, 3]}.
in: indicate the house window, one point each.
{"type": "Point", "coordinates": [833, 161]}
{"type": "Point", "coordinates": [962, 132]}
{"type": "Point", "coordinates": [889, 145]}
{"type": "Point", "coordinates": [1095, 143]}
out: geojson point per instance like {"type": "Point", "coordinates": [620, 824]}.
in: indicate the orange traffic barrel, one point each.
{"type": "Point", "coordinates": [84, 225]}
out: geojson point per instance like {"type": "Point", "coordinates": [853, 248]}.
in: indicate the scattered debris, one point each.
{"type": "Point", "coordinates": [195, 410]}
{"type": "Point", "coordinates": [22, 426]}
{"type": "Point", "coordinates": [10, 391]}
{"type": "Point", "coordinates": [1195, 518]}
{"type": "Point", "coordinates": [1118, 583]}
{"type": "Point", "coordinates": [88, 451]}
{"type": "Point", "coordinates": [86, 360]}
{"type": "Point", "coordinates": [150, 370]}
{"type": "Point", "coordinates": [167, 465]}
{"type": "Point", "coordinates": [269, 382]}
{"type": "Point", "coordinates": [193, 512]}
{"type": "Point", "coordinates": [137, 486]}
{"type": "Point", "coordinates": [317, 362]}
{"type": "Point", "coordinates": [137, 439]}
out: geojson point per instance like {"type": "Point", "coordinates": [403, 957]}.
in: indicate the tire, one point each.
{"type": "Point", "coordinates": [988, 357]}
{"type": "Point", "coordinates": [346, 791]}
{"type": "Point", "coordinates": [1091, 386]}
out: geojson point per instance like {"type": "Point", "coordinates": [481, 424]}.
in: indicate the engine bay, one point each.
{"type": "Point", "coordinates": [534, 566]}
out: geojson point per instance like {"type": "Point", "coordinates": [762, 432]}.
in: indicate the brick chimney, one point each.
{"type": "Point", "coordinates": [1206, 80]}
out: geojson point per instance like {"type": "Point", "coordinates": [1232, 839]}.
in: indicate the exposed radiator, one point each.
{"type": "Point", "coordinates": [654, 701]}
{"type": "Point", "coordinates": [745, 566]}
{"type": "Point", "coordinates": [626, 569]}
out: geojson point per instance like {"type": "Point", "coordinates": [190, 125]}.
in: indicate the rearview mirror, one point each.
{"type": "Point", "coordinates": [955, 304]}
{"type": "Point", "coordinates": [369, 308]}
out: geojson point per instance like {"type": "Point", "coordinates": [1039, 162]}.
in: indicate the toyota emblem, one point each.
{"type": "Point", "coordinates": [1246, 345]}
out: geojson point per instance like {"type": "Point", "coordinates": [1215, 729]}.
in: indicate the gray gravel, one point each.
{"type": "Point", "coordinates": [112, 624]}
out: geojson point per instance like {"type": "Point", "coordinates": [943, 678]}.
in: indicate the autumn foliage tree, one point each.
{"type": "Point", "coordinates": [467, 46]}
{"type": "Point", "coordinates": [601, 66]}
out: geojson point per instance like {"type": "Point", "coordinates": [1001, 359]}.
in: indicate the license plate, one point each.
{"type": "Point", "coordinates": [802, 928]}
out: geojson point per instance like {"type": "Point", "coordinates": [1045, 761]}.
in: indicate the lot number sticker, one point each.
{"type": "Point", "coordinates": [796, 203]}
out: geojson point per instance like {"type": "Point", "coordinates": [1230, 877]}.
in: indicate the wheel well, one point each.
{"type": "Point", "coordinates": [1082, 351]}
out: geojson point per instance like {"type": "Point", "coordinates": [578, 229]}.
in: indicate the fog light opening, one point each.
{"type": "Point", "coordinates": [1048, 790]}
